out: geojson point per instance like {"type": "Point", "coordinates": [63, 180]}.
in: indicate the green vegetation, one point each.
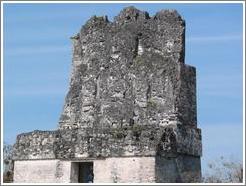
{"type": "Point", "coordinates": [138, 61]}
{"type": "Point", "coordinates": [151, 104]}
{"type": "Point", "coordinates": [137, 130]}
{"type": "Point", "coordinates": [119, 133]}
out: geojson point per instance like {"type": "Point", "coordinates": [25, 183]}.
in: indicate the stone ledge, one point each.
{"type": "Point", "coordinates": [146, 140]}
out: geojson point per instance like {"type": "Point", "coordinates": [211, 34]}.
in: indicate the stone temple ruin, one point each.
{"type": "Point", "coordinates": [130, 112]}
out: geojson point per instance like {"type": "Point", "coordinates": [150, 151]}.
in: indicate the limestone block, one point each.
{"type": "Point", "coordinates": [41, 171]}
{"type": "Point", "coordinates": [125, 170]}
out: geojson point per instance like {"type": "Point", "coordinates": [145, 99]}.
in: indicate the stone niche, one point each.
{"type": "Point", "coordinates": [130, 112]}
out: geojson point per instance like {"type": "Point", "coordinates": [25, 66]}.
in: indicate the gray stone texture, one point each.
{"type": "Point", "coordinates": [130, 95]}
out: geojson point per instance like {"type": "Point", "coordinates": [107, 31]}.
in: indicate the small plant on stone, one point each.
{"type": "Point", "coordinates": [137, 130]}
{"type": "Point", "coordinates": [118, 133]}
{"type": "Point", "coordinates": [151, 103]}
{"type": "Point", "coordinates": [138, 61]}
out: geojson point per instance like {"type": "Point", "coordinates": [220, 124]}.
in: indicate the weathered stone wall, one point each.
{"type": "Point", "coordinates": [42, 171]}
{"type": "Point", "coordinates": [110, 142]}
{"type": "Point", "coordinates": [125, 170]}
{"type": "Point", "coordinates": [129, 72]}
{"type": "Point", "coordinates": [35, 145]}
{"type": "Point", "coordinates": [179, 168]}
{"type": "Point", "coordinates": [130, 96]}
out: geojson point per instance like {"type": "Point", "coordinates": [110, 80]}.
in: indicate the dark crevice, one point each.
{"type": "Point", "coordinates": [124, 94]}
{"type": "Point", "coordinates": [97, 87]}
{"type": "Point", "coordinates": [121, 122]}
{"type": "Point", "coordinates": [148, 93]}
{"type": "Point", "coordinates": [131, 122]}
{"type": "Point", "coordinates": [95, 92]}
{"type": "Point", "coordinates": [136, 16]}
{"type": "Point", "coordinates": [135, 52]}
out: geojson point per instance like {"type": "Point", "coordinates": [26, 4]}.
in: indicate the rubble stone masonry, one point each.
{"type": "Point", "coordinates": [130, 108]}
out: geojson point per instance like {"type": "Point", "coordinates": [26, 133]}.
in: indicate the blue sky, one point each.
{"type": "Point", "coordinates": [37, 66]}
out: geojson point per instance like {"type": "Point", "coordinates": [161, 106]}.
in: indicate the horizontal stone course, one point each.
{"type": "Point", "coordinates": [115, 142]}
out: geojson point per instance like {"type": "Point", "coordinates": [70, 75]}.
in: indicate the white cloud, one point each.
{"type": "Point", "coordinates": [228, 85]}
{"type": "Point", "coordinates": [219, 38]}
{"type": "Point", "coordinates": [37, 92]}
{"type": "Point", "coordinates": [37, 50]}
{"type": "Point", "coordinates": [47, 90]}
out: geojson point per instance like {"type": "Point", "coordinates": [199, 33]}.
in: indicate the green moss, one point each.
{"type": "Point", "coordinates": [151, 103]}
{"type": "Point", "coordinates": [118, 133]}
{"type": "Point", "coordinates": [138, 61]}
{"type": "Point", "coordinates": [137, 130]}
